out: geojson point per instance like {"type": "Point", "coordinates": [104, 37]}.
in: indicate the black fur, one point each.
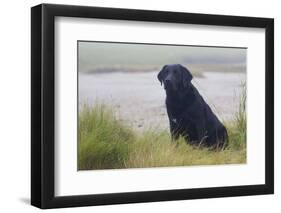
{"type": "Point", "coordinates": [189, 115]}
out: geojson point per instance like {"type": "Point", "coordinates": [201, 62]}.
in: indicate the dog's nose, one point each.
{"type": "Point", "coordinates": [167, 81]}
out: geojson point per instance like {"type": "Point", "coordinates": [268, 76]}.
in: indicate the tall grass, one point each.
{"type": "Point", "coordinates": [103, 141]}
{"type": "Point", "coordinates": [237, 129]}
{"type": "Point", "coordinates": [106, 143]}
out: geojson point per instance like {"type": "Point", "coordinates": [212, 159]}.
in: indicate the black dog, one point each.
{"type": "Point", "coordinates": [189, 115]}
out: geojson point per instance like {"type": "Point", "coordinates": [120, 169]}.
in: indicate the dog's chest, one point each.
{"type": "Point", "coordinates": [174, 120]}
{"type": "Point", "coordinates": [184, 116]}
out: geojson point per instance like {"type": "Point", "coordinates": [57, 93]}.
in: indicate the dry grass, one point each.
{"type": "Point", "coordinates": [106, 143]}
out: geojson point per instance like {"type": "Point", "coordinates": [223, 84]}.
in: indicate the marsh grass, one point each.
{"type": "Point", "coordinates": [106, 143]}
{"type": "Point", "coordinates": [237, 129]}
{"type": "Point", "coordinates": [103, 141]}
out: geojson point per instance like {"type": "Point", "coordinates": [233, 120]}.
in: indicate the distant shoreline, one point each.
{"type": "Point", "coordinates": [196, 69]}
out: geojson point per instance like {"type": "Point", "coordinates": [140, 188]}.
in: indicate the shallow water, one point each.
{"type": "Point", "coordinates": [139, 99]}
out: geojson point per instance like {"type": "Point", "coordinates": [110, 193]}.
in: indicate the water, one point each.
{"type": "Point", "coordinates": [139, 99]}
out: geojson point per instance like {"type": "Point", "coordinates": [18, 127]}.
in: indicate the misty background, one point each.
{"type": "Point", "coordinates": [124, 76]}
{"type": "Point", "coordinates": [107, 57]}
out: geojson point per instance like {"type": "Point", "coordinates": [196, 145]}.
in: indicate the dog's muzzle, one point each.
{"type": "Point", "coordinates": [168, 84]}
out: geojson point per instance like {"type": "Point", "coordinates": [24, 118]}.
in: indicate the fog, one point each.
{"type": "Point", "coordinates": [124, 76]}
{"type": "Point", "coordinates": [93, 55]}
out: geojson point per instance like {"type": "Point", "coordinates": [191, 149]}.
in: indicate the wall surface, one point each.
{"type": "Point", "coordinates": [15, 106]}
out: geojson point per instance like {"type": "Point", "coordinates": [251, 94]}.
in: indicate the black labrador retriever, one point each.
{"type": "Point", "coordinates": [189, 115]}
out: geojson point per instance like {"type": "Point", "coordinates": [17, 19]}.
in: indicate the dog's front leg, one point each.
{"type": "Point", "coordinates": [174, 129]}
{"type": "Point", "coordinates": [173, 125]}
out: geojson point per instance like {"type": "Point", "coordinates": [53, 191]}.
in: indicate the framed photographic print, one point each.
{"type": "Point", "coordinates": [139, 106]}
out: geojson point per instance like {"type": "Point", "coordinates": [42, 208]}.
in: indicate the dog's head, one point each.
{"type": "Point", "coordinates": [175, 77]}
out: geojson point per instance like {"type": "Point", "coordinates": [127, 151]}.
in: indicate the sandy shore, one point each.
{"type": "Point", "coordinates": [139, 99]}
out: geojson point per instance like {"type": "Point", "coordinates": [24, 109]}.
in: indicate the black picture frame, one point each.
{"type": "Point", "coordinates": [43, 102]}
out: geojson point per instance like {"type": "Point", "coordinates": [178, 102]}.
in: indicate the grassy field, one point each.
{"type": "Point", "coordinates": [107, 143]}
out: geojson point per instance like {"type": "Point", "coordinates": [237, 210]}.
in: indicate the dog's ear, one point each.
{"type": "Point", "coordinates": [160, 75]}
{"type": "Point", "coordinates": [186, 76]}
